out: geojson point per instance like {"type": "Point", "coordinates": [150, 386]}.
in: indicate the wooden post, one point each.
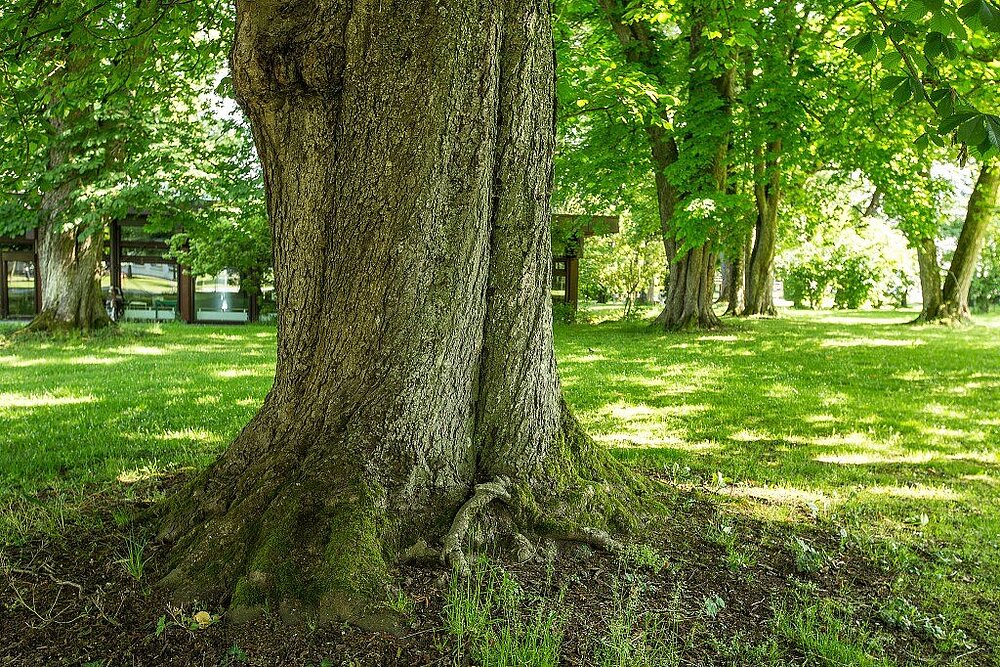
{"type": "Point", "coordinates": [185, 294]}
{"type": "Point", "coordinates": [4, 296]}
{"type": "Point", "coordinates": [115, 263]}
{"type": "Point", "coordinates": [573, 281]}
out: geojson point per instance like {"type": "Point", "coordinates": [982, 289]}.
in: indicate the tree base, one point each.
{"type": "Point", "coordinates": [946, 315]}
{"type": "Point", "coordinates": [48, 322]}
{"type": "Point", "coordinates": [315, 541]}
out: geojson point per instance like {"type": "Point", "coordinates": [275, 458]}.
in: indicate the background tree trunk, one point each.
{"type": "Point", "coordinates": [950, 303]}
{"type": "Point", "coordinates": [767, 193]}
{"type": "Point", "coordinates": [734, 286]}
{"type": "Point", "coordinates": [930, 279]}
{"type": "Point", "coordinates": [68, 259]}
{"type": "Point", "coordinates": [982, 209]}
{"type": "Point", "coordinates": [407, 151]}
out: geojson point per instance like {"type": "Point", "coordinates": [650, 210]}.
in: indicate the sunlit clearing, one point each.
{"type": "Point", "coordinates": [41, 401]}
{"type": "Point", "coordinates": [141, 351]}
{"type": "Point", "coordinates": [750, 436]}
{"type": "Point", "coordinates": [624, 440]}
{"type": "Point", "coordinates": [774, 494]}
{"type": "Point", "coordinates": [194, 435]}
{"type": "Point", "coordinates": [15, 362]}
{"type": "Point", "coordinates": [232, 373]}
{"type": "Point", "coordinates": [870, 458]}
{"type": "Point", "coordinates": [871, 342]}
{"type": "Point", "coordinates": [918, 492]}
{"type": "Point", "coordinates": [140, 474]}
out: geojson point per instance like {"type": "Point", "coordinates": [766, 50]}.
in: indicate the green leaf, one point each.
{"type": "Point", "coordinates": [949, 124]}
{"type": "Point", "coordinates": [890, 82]}
{"type": "Point", "coordinates": [992, 126]}
{"type": "Point", "coordinates": [903, 93]}
{"type": "Point", "coordinates": [973, 131]}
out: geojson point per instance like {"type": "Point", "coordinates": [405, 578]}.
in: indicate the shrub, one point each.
{"type": "Point", "coordinates": [854, 278]}
{"type": "Point", "coordinates": [806, 282]}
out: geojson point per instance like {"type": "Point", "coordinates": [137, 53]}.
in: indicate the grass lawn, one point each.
{"type": "Point", "coordinates": [885, 435]}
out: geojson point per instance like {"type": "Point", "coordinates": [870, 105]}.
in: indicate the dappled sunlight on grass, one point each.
{"type": "Point", "coordinates": [774, 494]}
{"type": "Point", "coordinates": [141, 350]}
{"type": "Point", "coordinates": [870, 458]}
{"type": "Point", "coordinates": [916, 492]}
{"type": "Point", "coordinates": [849, 412]}
{"type": "Point", "coordinates": [871, 342]}
{"type": "Point", "coordinates": [230, 373]}
{"type": "Point", "coordinates": [41, 400]}
{"type": "Point", "coordinates": [87, 410]}
{"type": "Point", "coordinates": [191, 435]}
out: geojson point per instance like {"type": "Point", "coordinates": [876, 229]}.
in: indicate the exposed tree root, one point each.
{"type": "Point", "coordinates": [453, 551]}
{"type": "Point", "coordinates": [485, 493]}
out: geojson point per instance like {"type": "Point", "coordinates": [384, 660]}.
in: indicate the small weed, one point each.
{"type": "Point", "coordinates": [635, 638]}
{"type": "Point", "coordinates": [808, 559]}
{"type": "Point", "coordinates": [713, 605]}
{"type": "Point", "coordinates": [828, 636]}
{"type": "Point", "coordinates": [134, 559]}
{"type": "Point", "coordinates": [903, 614]}
{"type": "Point", "coordinates": [496, 624]}
{"type": "Point", "coordinates": [402, 604]}
{"type": "Point", "coordinates": [643, 556]}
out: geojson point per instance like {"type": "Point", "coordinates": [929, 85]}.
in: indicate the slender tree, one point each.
{"type": "Point", "coordinates": [982, 209]}
{"type": "Point", "coordinates": [407, 155]}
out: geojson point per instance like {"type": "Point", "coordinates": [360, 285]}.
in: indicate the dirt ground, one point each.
{"type": "Point", "coordinates": [68, 601]}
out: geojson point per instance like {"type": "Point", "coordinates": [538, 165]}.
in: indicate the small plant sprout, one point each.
{"type": "Point", "coordinates": [402, 604]}
{"type": "Point", "coordinates": [134, 559]}
{"type": "Point", "coordinates": [712, 605]}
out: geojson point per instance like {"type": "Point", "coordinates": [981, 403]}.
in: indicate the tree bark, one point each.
{"type": "Point", "coordinates": [68, 258]}
{"type": "Point", "coordinates": [407, 152]}
{"type": "Point", "coordinates": [734, 282]}
{"type": "Point", "coordinates": [767, 193]}
{"type": "Point", "coordinates": [930, 280]}
{"type": "Point", "coordinates": [982, 209]}
{"type": "Point", "coordinates": [950, 303]}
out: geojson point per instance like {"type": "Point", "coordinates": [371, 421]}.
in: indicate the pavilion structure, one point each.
{"type": "Point", "coordinates": [567, 250]}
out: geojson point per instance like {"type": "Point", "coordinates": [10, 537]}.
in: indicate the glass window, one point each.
{"type": "Point", "coordinates": [21, 288]}
{"type": "Point", "coordinates": [220, 298]}
{"type": "Point", "coordinates": [149, 291]}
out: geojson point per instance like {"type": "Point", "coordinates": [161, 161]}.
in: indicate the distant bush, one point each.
{"type": "Point", "coordinates": [563, 312]}
{"type": "Point", "coordinates": [853, 278]}
{"type": "Point", "coordinates": [806, 281]}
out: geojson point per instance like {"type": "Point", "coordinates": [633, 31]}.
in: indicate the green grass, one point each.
{"type": "Point", "coordinates": [849, 419]}
{"type": "Point", "coordinates": [891, 432]}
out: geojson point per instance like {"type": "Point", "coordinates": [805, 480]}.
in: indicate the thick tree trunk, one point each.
{"type": "Point", "coordinates": [407, 154]}
{"type": "Point", "coordinates": [982, 209]}
{"type": "Point", "coordinates": [760, 270]}
{"type": "Point", "coordinates": [71, 289]}
{"type": "Point", "coordinates": [68, 258]}
{"type": "Point", "coordinates": [691, 292]}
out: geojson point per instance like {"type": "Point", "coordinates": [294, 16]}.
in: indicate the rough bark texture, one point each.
{"type": "Point", "coordinates": [734, 281]}
{"type": "Point", "coordinates": [407, 157]}
{"type": "Point", "coordinates": [767, 193]}
{"type": "Point", "coordinates": [950, 303]}
{"type": "Point", "coordinates": [67, 261]}
{"type": "Point", "coordinates": [930, 279]}
{"type": "Point", "coordinates": [982, 209]}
